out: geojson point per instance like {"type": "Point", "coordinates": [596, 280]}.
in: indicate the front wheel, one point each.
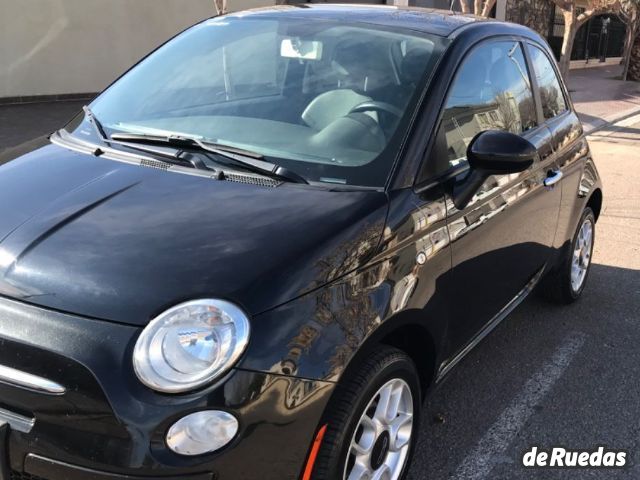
{"type": "Point", "coordinates": [372, 421]}
{"type": "Point", "coordinates": [567, 283]}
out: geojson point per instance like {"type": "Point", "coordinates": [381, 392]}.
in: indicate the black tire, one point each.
{"type": "Point", "coordinates": [352, 397]}
{"type": "Point", "coordinates": [557, 286]}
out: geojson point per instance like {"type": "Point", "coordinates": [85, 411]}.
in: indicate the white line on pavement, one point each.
{"type": "Point", "coordinates": [479, 463]}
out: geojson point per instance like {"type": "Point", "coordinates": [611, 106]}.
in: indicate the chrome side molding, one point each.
{"type": "Point", "coordinates": [17, 422]}
{"type": "Point", "coordinates": [17, 378]}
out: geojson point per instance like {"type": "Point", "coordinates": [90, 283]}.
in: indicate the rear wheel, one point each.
{"type": "Point", "coordinates": [372, 421]}
{"type": "Point", "coordinates": [567, 283]}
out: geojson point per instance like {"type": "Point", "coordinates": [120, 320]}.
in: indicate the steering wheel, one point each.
{"type": "Point", "coordinates": [372, 105]}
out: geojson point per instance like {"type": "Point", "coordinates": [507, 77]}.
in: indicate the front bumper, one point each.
{"type": "Point", "coordinates": [107, 425]}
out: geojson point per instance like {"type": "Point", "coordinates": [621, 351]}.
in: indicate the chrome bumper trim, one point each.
{"type": "Point", "coordinates": [21, 379]}
{"type": "Point", "coordinates": [16, 422]}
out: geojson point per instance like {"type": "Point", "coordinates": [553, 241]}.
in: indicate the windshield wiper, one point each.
{"type": "Point", "coordinates": [170, 156]}
{"type": "Point", "coordinates": [243, 158]}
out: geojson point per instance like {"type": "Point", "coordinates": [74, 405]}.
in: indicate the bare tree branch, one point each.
{"type": "Point", "coordinates": [597, 9]}
{"type": "Point", "coordinates": [464, 6]}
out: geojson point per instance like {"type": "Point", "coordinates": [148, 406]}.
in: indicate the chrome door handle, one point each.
{"type": "Point", "coordinates": [553, 178]}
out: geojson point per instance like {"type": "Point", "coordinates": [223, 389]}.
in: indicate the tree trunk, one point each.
{"type": "Point", "coordinates": [630, 19]}
{"type": "Point", "coordinates": [488, 6]}
{"type": "Point", "coordinates": [626, 55]}
{"type": "Point", "coordinates": [570, 30]}
{"type": "Point", "coordinates": [221, 6]}
{"type": "Point", "coordinates": [634, 61]}
{"type": "Point", "coordinates": [464, 6]}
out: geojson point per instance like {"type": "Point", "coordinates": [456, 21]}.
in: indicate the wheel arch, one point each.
{"type": "Point", "coordinates": [595, 202]}
{"type": "Point", "coordinates": [406, 331]}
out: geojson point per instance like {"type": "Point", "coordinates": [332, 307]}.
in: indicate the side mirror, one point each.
{"type": "Point", "coordinates": [493, 152]}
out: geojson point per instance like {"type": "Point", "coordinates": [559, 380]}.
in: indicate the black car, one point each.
{"type": "Point", "coordinates": [252, 256]}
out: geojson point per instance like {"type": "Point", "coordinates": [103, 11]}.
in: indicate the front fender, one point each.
{"type": "Point", "coordinates": [318, 335]}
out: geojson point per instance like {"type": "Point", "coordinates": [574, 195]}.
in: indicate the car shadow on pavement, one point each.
{"type": "Point", "coordinates": [549, 375]}
{"type": "Point", "coordinates": [613, 134]}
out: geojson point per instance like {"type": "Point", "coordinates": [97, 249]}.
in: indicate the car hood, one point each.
{"type": "Point", "coordinates": [122, 242]}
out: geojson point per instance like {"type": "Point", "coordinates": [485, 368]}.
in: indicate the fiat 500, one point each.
{"type": "Point", "coordinates": [252, 256]}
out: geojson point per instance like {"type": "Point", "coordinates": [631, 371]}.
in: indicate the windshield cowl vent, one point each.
{"type": "Point", "coordinates": [155, 164]}
{"type": "Point", "coordinates": [251, 179]}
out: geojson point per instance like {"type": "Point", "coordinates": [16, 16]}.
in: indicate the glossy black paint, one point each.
{"type": "Point", "coordinates": [109, 421]}
{"type": "Point", "coordinates": [91, 249]}
{"type": "Point", "coordinates": [499, 153]}
{"type": "Point", "coordinates": [492, 152]}
{"type": "Point", "coordinates": [158, 239]}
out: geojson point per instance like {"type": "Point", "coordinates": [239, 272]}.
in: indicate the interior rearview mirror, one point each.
{"type": "Point", "coordinates": [493, 152]}
{"type": "Point", "coordinates": [303, 49]}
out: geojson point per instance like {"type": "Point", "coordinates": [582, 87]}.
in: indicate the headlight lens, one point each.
{"type": "Point", "coordinates": [190, 345]}
{"type": "Point", "coordinates": [202, 432]}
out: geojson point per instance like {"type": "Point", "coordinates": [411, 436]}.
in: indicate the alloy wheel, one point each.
{"type": "Point", "coordinates": [582, 255]}
{"type": "Point", "coordinates": [380, 445]}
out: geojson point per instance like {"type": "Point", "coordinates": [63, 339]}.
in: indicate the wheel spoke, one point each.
{"type": "Point", "coordinates": [383, 473]}
{"type": "Point", "coordinates": [360, 471]}
{"type": "Point", "coordinates": [394, 404]}
{"type": "Point", "coordinates": [361, 448]}
{"type": "Point", "coordinates": [362, 445]}
{"type": "Point", "coordinates": [401, 429]}
{"type": "Point", "coordinates": [389, 404]}
{"type": "Point", "coordinates": [383, 403]}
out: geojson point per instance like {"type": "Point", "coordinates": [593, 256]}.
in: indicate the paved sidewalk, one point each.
{"type": "Point", "coordinates": [600, 97]}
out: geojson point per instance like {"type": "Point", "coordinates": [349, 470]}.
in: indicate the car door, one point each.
{"type": "Point", "coordinates": [503, 238]}
{"type": "Point", "coordinates": [568, 141]}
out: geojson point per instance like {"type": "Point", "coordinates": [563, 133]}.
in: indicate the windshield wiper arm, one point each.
{"type": "Point", "coordinates": [244, 158]}
{"type": "Point", "coordinates": [172, 157]}
{"type": "Point", "coordinates": [95, 123]}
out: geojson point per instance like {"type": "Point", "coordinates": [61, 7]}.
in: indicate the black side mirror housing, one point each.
{"type": "Point", "coordinates": [499, 152]}
{"type": "Point", "coordinates": [493, 152]}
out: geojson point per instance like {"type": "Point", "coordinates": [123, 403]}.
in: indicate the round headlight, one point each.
{"type": "Point", "coordinates": [190, 345]}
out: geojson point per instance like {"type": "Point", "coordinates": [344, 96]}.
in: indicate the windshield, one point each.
{"type": "Point", "coordinates": [329, 101]}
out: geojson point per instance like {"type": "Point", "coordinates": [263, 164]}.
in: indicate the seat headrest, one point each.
{"type": "Point", "coordinates": [413, 65]}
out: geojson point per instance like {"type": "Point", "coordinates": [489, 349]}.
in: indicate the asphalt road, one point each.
{"type": "Point", "coordinates": [22, 122]}
{"type": "Point", "coordinates": [548, 375]}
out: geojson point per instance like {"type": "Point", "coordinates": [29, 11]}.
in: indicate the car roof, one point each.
{"type": "Point", "coordinates": [428, 20]}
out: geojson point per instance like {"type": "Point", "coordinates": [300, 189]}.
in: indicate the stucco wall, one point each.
{"type": "Point", "coordinates": [53, 47]}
